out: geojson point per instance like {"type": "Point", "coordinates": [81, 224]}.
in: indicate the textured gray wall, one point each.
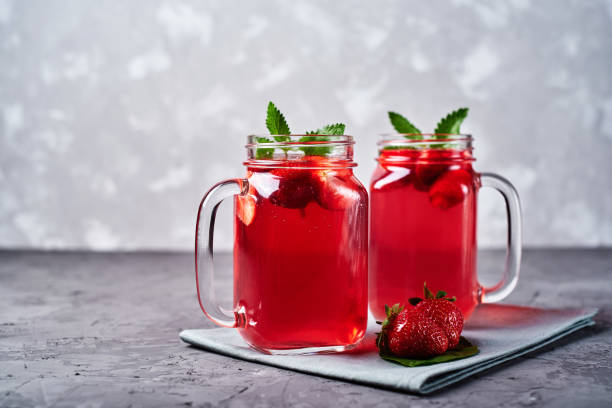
{"type": "Point", "coordinates": [116, 116]}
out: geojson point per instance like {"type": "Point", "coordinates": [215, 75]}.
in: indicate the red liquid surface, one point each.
{"type": "Point", "coordinates": [300, 258]}
{"type": "Point", "coordinates": [423, 228]}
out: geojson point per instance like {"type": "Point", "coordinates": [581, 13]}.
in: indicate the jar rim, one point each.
{"type": "Point", "coordinates": [295, 140]}
{"type": "Point", "coordinates": [300, 151]}
{"type": "Point", "coordinates": [423, 138]}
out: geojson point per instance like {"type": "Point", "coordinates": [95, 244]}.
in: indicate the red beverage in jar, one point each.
{"type": "Point", "coordinates": [423, 227]}
{"type": "Point", "coordinates": [300, 255]}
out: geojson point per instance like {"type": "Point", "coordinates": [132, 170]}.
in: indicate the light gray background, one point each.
{"type": "Point", "coordinates": [115, 116]}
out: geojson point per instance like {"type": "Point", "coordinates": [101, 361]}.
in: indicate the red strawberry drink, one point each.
{"type": "Point", "coordinates": [423, 224]}
{"type": "Point", "coordinates": [300, 247]}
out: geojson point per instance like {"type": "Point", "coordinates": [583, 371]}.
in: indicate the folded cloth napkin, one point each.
{"type": "Point", "coordinates": [502, 333]}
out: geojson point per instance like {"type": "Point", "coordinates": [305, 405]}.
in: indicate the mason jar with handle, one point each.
{"type": "Point", "coordinates": [300, 247]}
{"type": "Point", "coordinates": [423, 206]}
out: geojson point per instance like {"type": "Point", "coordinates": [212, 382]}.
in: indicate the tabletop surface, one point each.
{"type": "Point", "coordinates": [101, 329]}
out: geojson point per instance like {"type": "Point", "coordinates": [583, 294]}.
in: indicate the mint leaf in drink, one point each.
{"type": "Point", "coordinates": [403, 125]}
{"type": "Point", "coordinates": [336, 129]}
{"type": "Point", "coordinates": [451, 123]}
{"type": "Point", "coordinates": [276, 124]}
{"type": "Point", "coordinates": [313, 149]}
{"type": "Point", "coordinates": [264, 152]}
{"type": "Point", "coordinates": [462, 350]}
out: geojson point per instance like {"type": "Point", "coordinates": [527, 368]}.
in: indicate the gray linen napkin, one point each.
{"type": "Point", "coordinates": [502, 332]}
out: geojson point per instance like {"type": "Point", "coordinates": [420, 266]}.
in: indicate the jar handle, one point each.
{"type": "Point", "coordinates": [204, 265]}
{"type": "Point", "coordinates": [513, 245]}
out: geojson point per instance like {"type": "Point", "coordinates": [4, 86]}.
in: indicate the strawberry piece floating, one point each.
{"type": "Point", "coordinates": [332, 192]}
{"type": "Point", "coordinates": [429, 168]}
{"type": "Point", "coordinates": [245, 208]}
{"type": "Point", "coordinates": [295, 188]}
{"type": "Point", "coordinates": [450, 189]}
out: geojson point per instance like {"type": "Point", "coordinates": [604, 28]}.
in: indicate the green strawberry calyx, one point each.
{"type": "Point", "coordinates": [428, 294]}
{"type": "Point", "coordinates": [381, 337]}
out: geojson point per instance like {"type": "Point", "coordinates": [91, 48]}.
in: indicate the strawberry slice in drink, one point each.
{"type": "Point", "coordinates": [245, 206]}
{"type": "Point", "coordinates": [429, 167]}
{"type": "Point", "coordinates": [332, 191]}
{"type": "Point", "coordinates": [450, 189]}
{"type": "Point", "coordinates": [246, 209]}
{"type": "Point", "coordinates": [295, 188]}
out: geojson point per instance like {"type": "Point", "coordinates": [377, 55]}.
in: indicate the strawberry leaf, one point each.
{"type": "Point", "coordinates": [440, 294]}
{"type": "Point", "coordinates": [403, 125]}
{"type": "Point", "coordinates": [426, 292]}
{"type": "Point", "coordinates": [451, 123]}
{"type": "Point", "coordinates": [463, 350]}
{"type": "Point", "coordinates": [415, 301]}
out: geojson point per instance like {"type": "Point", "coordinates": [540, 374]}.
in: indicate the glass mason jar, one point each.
{"type": "Point", "coordinates": [300, 246]}
{"type": "Point", "coordinates": [423, 223]}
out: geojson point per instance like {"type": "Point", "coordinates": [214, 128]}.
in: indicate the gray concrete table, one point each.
{"type": "Point", "coordinates": [93, 329]}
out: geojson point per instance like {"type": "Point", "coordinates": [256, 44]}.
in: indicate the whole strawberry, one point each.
{"type": "Point", "coordinates": [410, 333]}
{"type": "Point", "coordinates": [443, 311]}
{"type": "Point", "coordinates": [414, 335]}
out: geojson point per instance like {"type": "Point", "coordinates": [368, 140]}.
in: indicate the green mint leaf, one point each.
{"type": "Point", "coordinates": [336, 129]}
{"type": "Point", "coordinates": [278, 128]}
{"type": "Point", "coordinates": [264, 152]}
{"type": "Point", "coordinates": [403, 125]}
{"type": "Point", "coordinates": [401, 147]}
{"type": "Point", "coordinates": [315, 150]}
{"type": "Point", "coordinates": [464, 349]}
{"type": "Point", "coordinates": [451, 123]}
{"type": "Point", "coordinates": [276, 124]}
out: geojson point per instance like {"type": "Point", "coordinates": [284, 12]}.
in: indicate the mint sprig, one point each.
{"type": "Point", "coordinates": [451, 123]}
{"type": "Point", "coordinates": [448, 126]}
{"type": "Point", "coordinates": [279, 129]}
{"type": "Point", "coordinates": [402, 125]}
